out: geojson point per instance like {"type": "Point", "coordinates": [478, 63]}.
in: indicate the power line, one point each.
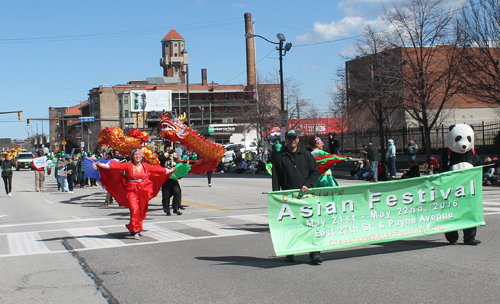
{"type": "Point", "coordinates": [127, 33]}
{"type": "Point", "coordinates": [246, 70]}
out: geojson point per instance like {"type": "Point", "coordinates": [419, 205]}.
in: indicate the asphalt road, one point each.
{"type": "Point", "coordinates": [68, 248]}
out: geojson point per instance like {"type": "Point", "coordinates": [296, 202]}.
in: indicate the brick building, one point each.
{"type": "Point", "coordinates": [379, 70]}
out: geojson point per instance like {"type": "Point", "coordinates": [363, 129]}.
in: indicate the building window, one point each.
{"type": "Point", "coordinates": [125, 99]}
{"type": "Point", "coordinates": [225, 96]}
{"type": "Point", "coordinates": [226, 109]}
{"type": "Point", "coordinates": [472, 117]}
{"type": "Point", "coordinates": [203, 97]}
{"type": "Point", "coordinates": [126, 113]}
{"type": "Point", "coordinates": [167, 44]}
{"type": "Point", "coordinates": [175, 54]}
{"type": "Point", "coordinates": [463, 116]}
{"type": "Point", "coordinates": [234, 96]}
{"type": "Point", "coordinates": [175, 44]}
{"type": "Point", "coordinates": [182, 45]}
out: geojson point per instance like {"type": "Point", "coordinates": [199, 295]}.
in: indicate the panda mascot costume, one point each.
{"type": "Point", "coordinates": [460, 154]}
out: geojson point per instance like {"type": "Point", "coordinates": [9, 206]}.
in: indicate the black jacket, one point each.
{"type": "Point", "coordinates": [294, 170]}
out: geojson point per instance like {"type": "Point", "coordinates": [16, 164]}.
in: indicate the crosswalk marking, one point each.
{"type": "Point", "coordinates": [93, 237]}
{"type": "Point", "coordinates": [26, 243]}
{"type": "Point", "coordinates": [215, 228]}
{"type": "Point", "coordinates": [253, 218]}
{"type": "Point", "coordinates": [496, 209]}
{"type": "Point", "coordinates": [165, 235]}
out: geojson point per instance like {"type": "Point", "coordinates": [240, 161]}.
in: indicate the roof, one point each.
{"type": "Point", "coordinates": [173, 35]}
{"type": "Point", "coordinates": [75, 109]}
{"type": "Point", "coordinates": [164, 80]}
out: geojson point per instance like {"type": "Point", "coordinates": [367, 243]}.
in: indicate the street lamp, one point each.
{"type": "Point", "coordinates": [185, 71]}
{"type": "Point", "coordinates": [144, 103]}
{"type": "Point", "coordinates": [280, 49]}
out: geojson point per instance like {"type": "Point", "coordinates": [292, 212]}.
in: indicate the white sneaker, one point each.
{"type": "Point", "coordinates": [140, 233]}
{"type": "Point", "coordinates": [70, 191]}
{"type": "Point", "coordinates": [137, 236]}
{"type": "Point", "coordinates": [10, 194]}
{"type": "Point", "coordinates": [210, 185]}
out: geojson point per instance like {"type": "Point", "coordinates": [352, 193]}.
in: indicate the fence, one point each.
{"type": "Point", "coordinates": [487, 139]}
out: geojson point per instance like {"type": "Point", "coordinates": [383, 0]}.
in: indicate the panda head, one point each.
{"type": "Point", "coordinates": [460, 138]}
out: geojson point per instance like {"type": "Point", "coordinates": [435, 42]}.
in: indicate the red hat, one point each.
{"type": "Point", "coordinates": [494, 158]}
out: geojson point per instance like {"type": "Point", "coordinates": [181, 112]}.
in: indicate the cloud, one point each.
{"type": "Point", "coordinates": [239, 5]}
{"type": "Point", "coordinates": [333, 30]}
{"type": "Point", "coordinates": [315, 67]}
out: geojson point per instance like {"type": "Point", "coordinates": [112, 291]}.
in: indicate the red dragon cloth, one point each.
{"type": "Point", "coordinates": [210, 154]}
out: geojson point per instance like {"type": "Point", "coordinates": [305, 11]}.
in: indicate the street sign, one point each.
{"type": "Point", "coordinates": [57, 148]}
{"type": "Point", "coordinates": [86, 119]}
{"type": "Point", "coordinates": [64, 143]}
{"type": "Point", "coordinates": [210, 129]}
{"type": "Point", "coordinates": [82, 144]}
{"type": "Point", "coordinates": [283, 118]}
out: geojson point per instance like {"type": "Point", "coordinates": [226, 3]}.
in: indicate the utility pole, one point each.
{"type": "Point", "coordinates": [298, 109]}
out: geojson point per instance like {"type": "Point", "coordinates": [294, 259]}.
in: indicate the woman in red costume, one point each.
{"type": "Point", "coordinates": [134, 191]}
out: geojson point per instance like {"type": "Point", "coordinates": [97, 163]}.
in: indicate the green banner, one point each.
{"type": "Point", "coordinates": [339, 217]}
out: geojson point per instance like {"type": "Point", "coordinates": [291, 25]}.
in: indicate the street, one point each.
{"type": "Point", "coordinates": [68, 248]}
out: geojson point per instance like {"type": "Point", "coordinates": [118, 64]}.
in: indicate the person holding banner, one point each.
{"type": "Point", "coordinates": [7, 165]}
{"type": "Point", "coordinates": [295, 169]}
{"type": "Point", "coordinates": [38, 164]}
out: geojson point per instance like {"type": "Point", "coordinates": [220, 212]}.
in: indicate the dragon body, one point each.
{"type": "Point", "coordinates": [114, 138]}
{"type": "Point", "coordinates": [210, 154]}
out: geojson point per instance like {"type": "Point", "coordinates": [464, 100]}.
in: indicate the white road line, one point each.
{"type": "Point", "coordinates": [26, 242]}
{"type": "Point", "coordinates": [53, 222]}
{"type": "Point", "coordinates": [92, 237]}
{"type": "Point", "coordinates": [48, 201]}
{"type": "Point", "coordinates": [165, 235]}
{"type": "Point", "coordinates": [491, 209]}
{"type": "Point", "coordinates": [4, 215]}
{"type": "Point", "coordinates": [215, 228]}
{"type": "Point", "coordinates": [252, 218]}
{"type": "Point", "coordinates": [491, 203]}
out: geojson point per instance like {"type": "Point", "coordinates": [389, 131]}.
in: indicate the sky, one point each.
{"type": "Point", "coordinates": [55, 51]}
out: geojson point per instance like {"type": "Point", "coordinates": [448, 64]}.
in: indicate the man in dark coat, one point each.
{"type": "Point", "coordinates": [295, 169]}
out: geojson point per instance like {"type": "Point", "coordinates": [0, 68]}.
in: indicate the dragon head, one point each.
{"type": "Point", "coordinates": [171, 128]}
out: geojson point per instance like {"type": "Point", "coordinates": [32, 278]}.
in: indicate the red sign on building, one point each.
{"type": "Point", "coordinates": [319, 126]}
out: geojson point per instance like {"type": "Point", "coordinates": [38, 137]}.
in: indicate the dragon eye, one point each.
{"type": "Point", "coordinates": [469, 138]}
{"type": "Point", "coordinates": [459, 137]}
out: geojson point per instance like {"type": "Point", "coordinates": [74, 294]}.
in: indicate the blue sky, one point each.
{"type": "Point", "coordinates": [52, 51]}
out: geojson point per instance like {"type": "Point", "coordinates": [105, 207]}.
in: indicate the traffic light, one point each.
{"type": "Point", "coordinates": [27, 121]}
{"type": "Point", "coordinates": [19, 115]}
{"type": "Point", "coordinates": [139, 116]}
{"type": "Point", "coordinates": [57, 121]}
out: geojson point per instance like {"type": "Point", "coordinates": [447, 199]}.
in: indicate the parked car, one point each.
{"type": "Point", "coordinates": [249, 146]}
{"type": "Point", "coordinates": [24, 160]}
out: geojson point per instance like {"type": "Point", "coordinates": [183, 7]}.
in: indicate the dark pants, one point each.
{"type": "Point", "coordinates": [171, 188]}
{"type": "Point", "coordinates": [70, 181]}
{"type": "Point", "coordinates": [469, 235]}
{"type": "Point", "coordinates": [209, 177]}
{"type": "Point", "coordinates": [81, 179]}
{"type": "Point", "coordinates": [7, 181]}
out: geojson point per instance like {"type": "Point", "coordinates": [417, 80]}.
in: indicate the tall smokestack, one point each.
{"type": "Point", "coordinates": [251, 79]}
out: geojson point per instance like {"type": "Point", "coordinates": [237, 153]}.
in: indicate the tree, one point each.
{"type": "Point", "coordinates": [338, 105]}
{"type": "Point", "coordinates": [371, 81]}
{"type": "Point", "coordinates": [261, 110]}
{"type": "Point", "coordinates": [429, 74]}
{"type": "Point", "coordinates": [479, 32]}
